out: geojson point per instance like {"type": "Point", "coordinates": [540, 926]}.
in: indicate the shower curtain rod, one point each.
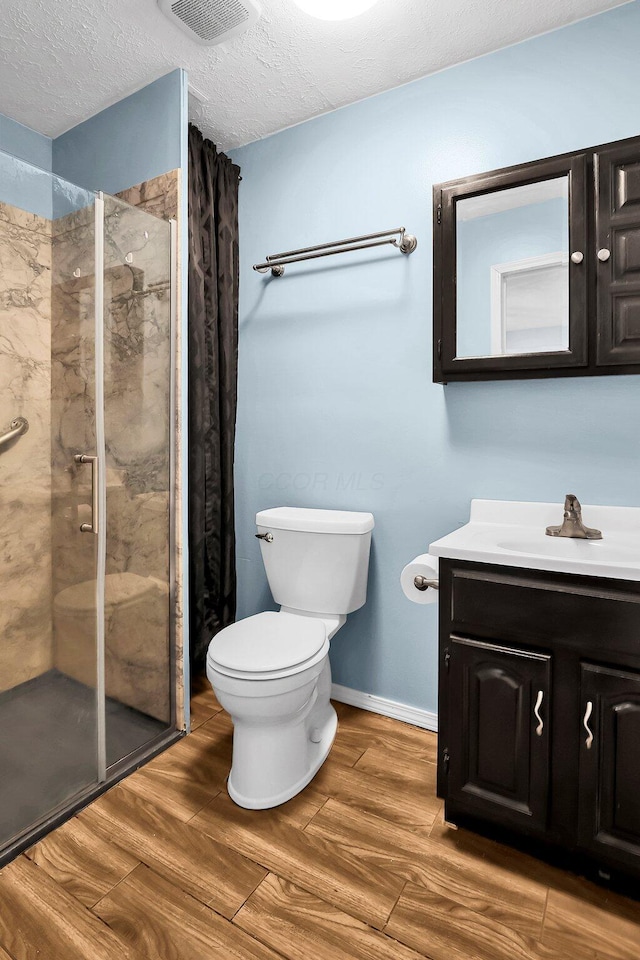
{"type": "Point", "coordinates": [276, 262]}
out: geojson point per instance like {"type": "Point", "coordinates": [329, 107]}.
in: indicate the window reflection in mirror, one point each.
{"type": "Point", "coordinates": [512, 271]}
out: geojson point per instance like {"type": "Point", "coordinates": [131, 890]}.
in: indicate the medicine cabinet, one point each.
{"type": "Point", "coordinates": [537, 268]}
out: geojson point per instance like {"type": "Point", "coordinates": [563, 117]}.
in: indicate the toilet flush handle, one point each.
{"type": "Point", "coordinates": [264, 536]}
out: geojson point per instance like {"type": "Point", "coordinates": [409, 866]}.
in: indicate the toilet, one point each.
{"type": "Point", "coordinates": [271, 671]}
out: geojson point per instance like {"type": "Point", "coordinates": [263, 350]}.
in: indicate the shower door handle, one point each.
{"type": "Point", "coordinates": [95, 487]}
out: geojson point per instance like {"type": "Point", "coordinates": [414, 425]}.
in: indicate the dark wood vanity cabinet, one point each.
{"type": "Point", "coordinates": [539, 711]}
{"type": "Point", "coordinates": [500, 762]}
{"type": "Point", "coordinates": [609, 783]}
{"type": "Point", "coordinates": [578, 219]}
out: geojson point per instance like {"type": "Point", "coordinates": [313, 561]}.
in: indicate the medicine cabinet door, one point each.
{"type": "Point", "coordinates": [618, 254]}
{"type": "Point", "coordinates": [510, 272]}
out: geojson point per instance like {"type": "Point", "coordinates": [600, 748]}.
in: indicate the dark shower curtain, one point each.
{"type": "Point", "coordinates": [213, 355]}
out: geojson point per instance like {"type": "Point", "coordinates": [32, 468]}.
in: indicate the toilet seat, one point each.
{"type": "Point", "coordinates": [268, 646]}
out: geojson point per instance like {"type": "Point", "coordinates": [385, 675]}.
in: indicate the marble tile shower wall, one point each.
{"type": "Point", "coordinates": [72, 395]}
{"type": "Point", "coordinates": [72, 432]}
{"type": "Point", "coordinates": [25, 468]}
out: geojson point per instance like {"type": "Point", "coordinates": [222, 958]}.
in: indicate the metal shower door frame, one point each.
{"type": "Point", "coordinates": [101, 454]}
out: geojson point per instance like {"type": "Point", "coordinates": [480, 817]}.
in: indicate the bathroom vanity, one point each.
{"type": "Point", "coordinates": [539, 683]}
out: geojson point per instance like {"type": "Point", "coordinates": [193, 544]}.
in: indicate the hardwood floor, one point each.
{"type": "Point", "coordinates": [360, 866]}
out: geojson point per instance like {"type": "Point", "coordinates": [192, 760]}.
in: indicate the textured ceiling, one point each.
{"type": "Point", "coordinates": [61, 62]}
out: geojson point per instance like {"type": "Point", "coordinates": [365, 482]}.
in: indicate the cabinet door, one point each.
{"type": "Point", "coordinates": [618, 254]}
{"type": "Point", "coordinates": [609, 819]}
{"type": "Point", "coordinates": [511, 271]}
{"type": "Point", "coordinates": [498, 749]}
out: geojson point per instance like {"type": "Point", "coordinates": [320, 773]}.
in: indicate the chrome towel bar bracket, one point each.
{"type": "Point", "coordinates": [17, 428]}
{"type": "Point", "coordinates": [276, 262]}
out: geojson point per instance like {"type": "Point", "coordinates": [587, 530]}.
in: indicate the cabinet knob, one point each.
{"type": "Point", "coordinates": [577, 257]}
{"type": "Point", "coordinates": [604, 254]}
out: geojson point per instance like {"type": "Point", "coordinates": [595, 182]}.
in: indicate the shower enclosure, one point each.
{"type": "Point", "coordinates": [87, 308]}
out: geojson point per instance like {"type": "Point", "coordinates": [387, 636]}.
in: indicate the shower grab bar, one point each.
{"type": "Point", "coordinates": [276, 262]}
{"type": "Point", "coordinates": [16, 429]}
{"type": "Point", "coordinates": [95, 489]}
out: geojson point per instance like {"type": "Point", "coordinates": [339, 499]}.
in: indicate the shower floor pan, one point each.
{"type": "Point", "coordinates": [48, 753]}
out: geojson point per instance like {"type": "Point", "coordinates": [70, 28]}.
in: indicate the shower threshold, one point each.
{"type": "Point", "coordinates": [48, 754]}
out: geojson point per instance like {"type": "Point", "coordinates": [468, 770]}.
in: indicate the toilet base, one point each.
{"type": "Point", "coordinates": [317, 754]}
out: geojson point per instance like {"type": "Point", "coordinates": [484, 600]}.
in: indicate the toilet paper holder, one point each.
{"type": "Point", "coordinates": [423, 583]}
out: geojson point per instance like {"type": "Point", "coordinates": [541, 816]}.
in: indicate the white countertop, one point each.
{"type": "Point", "coordinates": [512, 533]}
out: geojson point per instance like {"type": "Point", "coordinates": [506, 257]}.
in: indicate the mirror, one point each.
{"type": "Point", "coordinates": [512, 270]}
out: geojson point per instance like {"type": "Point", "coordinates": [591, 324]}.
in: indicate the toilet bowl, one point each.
{"type": "Point", "coordinates": [271, 671]}
{"type": "Point", "coordinates": [283, 725]}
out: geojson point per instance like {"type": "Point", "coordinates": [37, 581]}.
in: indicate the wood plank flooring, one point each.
{"type": "Point", "coordinates": [360, 866]}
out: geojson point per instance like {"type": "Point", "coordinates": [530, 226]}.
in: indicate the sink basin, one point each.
{"type": "Point", "coordinates": [512, 534]}
{"type": "Point", "coordinates": [595, 551]}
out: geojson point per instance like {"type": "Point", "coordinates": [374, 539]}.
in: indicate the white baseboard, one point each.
{"type": "Point", "coordinates": [388, 708]}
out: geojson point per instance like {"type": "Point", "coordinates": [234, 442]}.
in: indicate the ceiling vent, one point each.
{"type": "Point", "coordinates": [211, 21]}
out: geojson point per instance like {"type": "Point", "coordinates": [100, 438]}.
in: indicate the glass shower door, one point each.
{"type": "Point", "coordinates": [49, 680]}
{"type": "Point", "coordinates": [138, 384]}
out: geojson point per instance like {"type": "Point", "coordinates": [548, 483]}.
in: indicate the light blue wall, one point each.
{"type": "Point", "coordinates": [336, 403]}
{"type": "Point", "coordinates": [134, 140]}
{"type": "Point", "coordinates": [24, 155]}
{"type": "Point", "coordinates": [517, 234]}
{"type": "Point", "coordinates": [25, 143]}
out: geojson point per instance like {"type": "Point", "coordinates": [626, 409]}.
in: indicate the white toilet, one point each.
{"type": "Point", "coordinates": [271, 671]}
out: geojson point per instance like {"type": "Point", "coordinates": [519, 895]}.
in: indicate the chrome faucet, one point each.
{"type": "Point", "coordinates": [572, 525]}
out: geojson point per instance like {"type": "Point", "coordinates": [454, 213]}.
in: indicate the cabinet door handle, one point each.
{"type": "Point", "coordinates": [536, 711]}
{"type": "Point", "coordinates": [585, 724]}
{"type": "Point", "coordinates": [603, 255]}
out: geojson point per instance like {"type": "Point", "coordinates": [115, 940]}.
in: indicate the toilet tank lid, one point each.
{"type": "Point", "coordinates": [315, 521]}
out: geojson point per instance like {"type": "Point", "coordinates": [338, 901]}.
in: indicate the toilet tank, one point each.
{"type": "Point", "coordinates": [317, 560]}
